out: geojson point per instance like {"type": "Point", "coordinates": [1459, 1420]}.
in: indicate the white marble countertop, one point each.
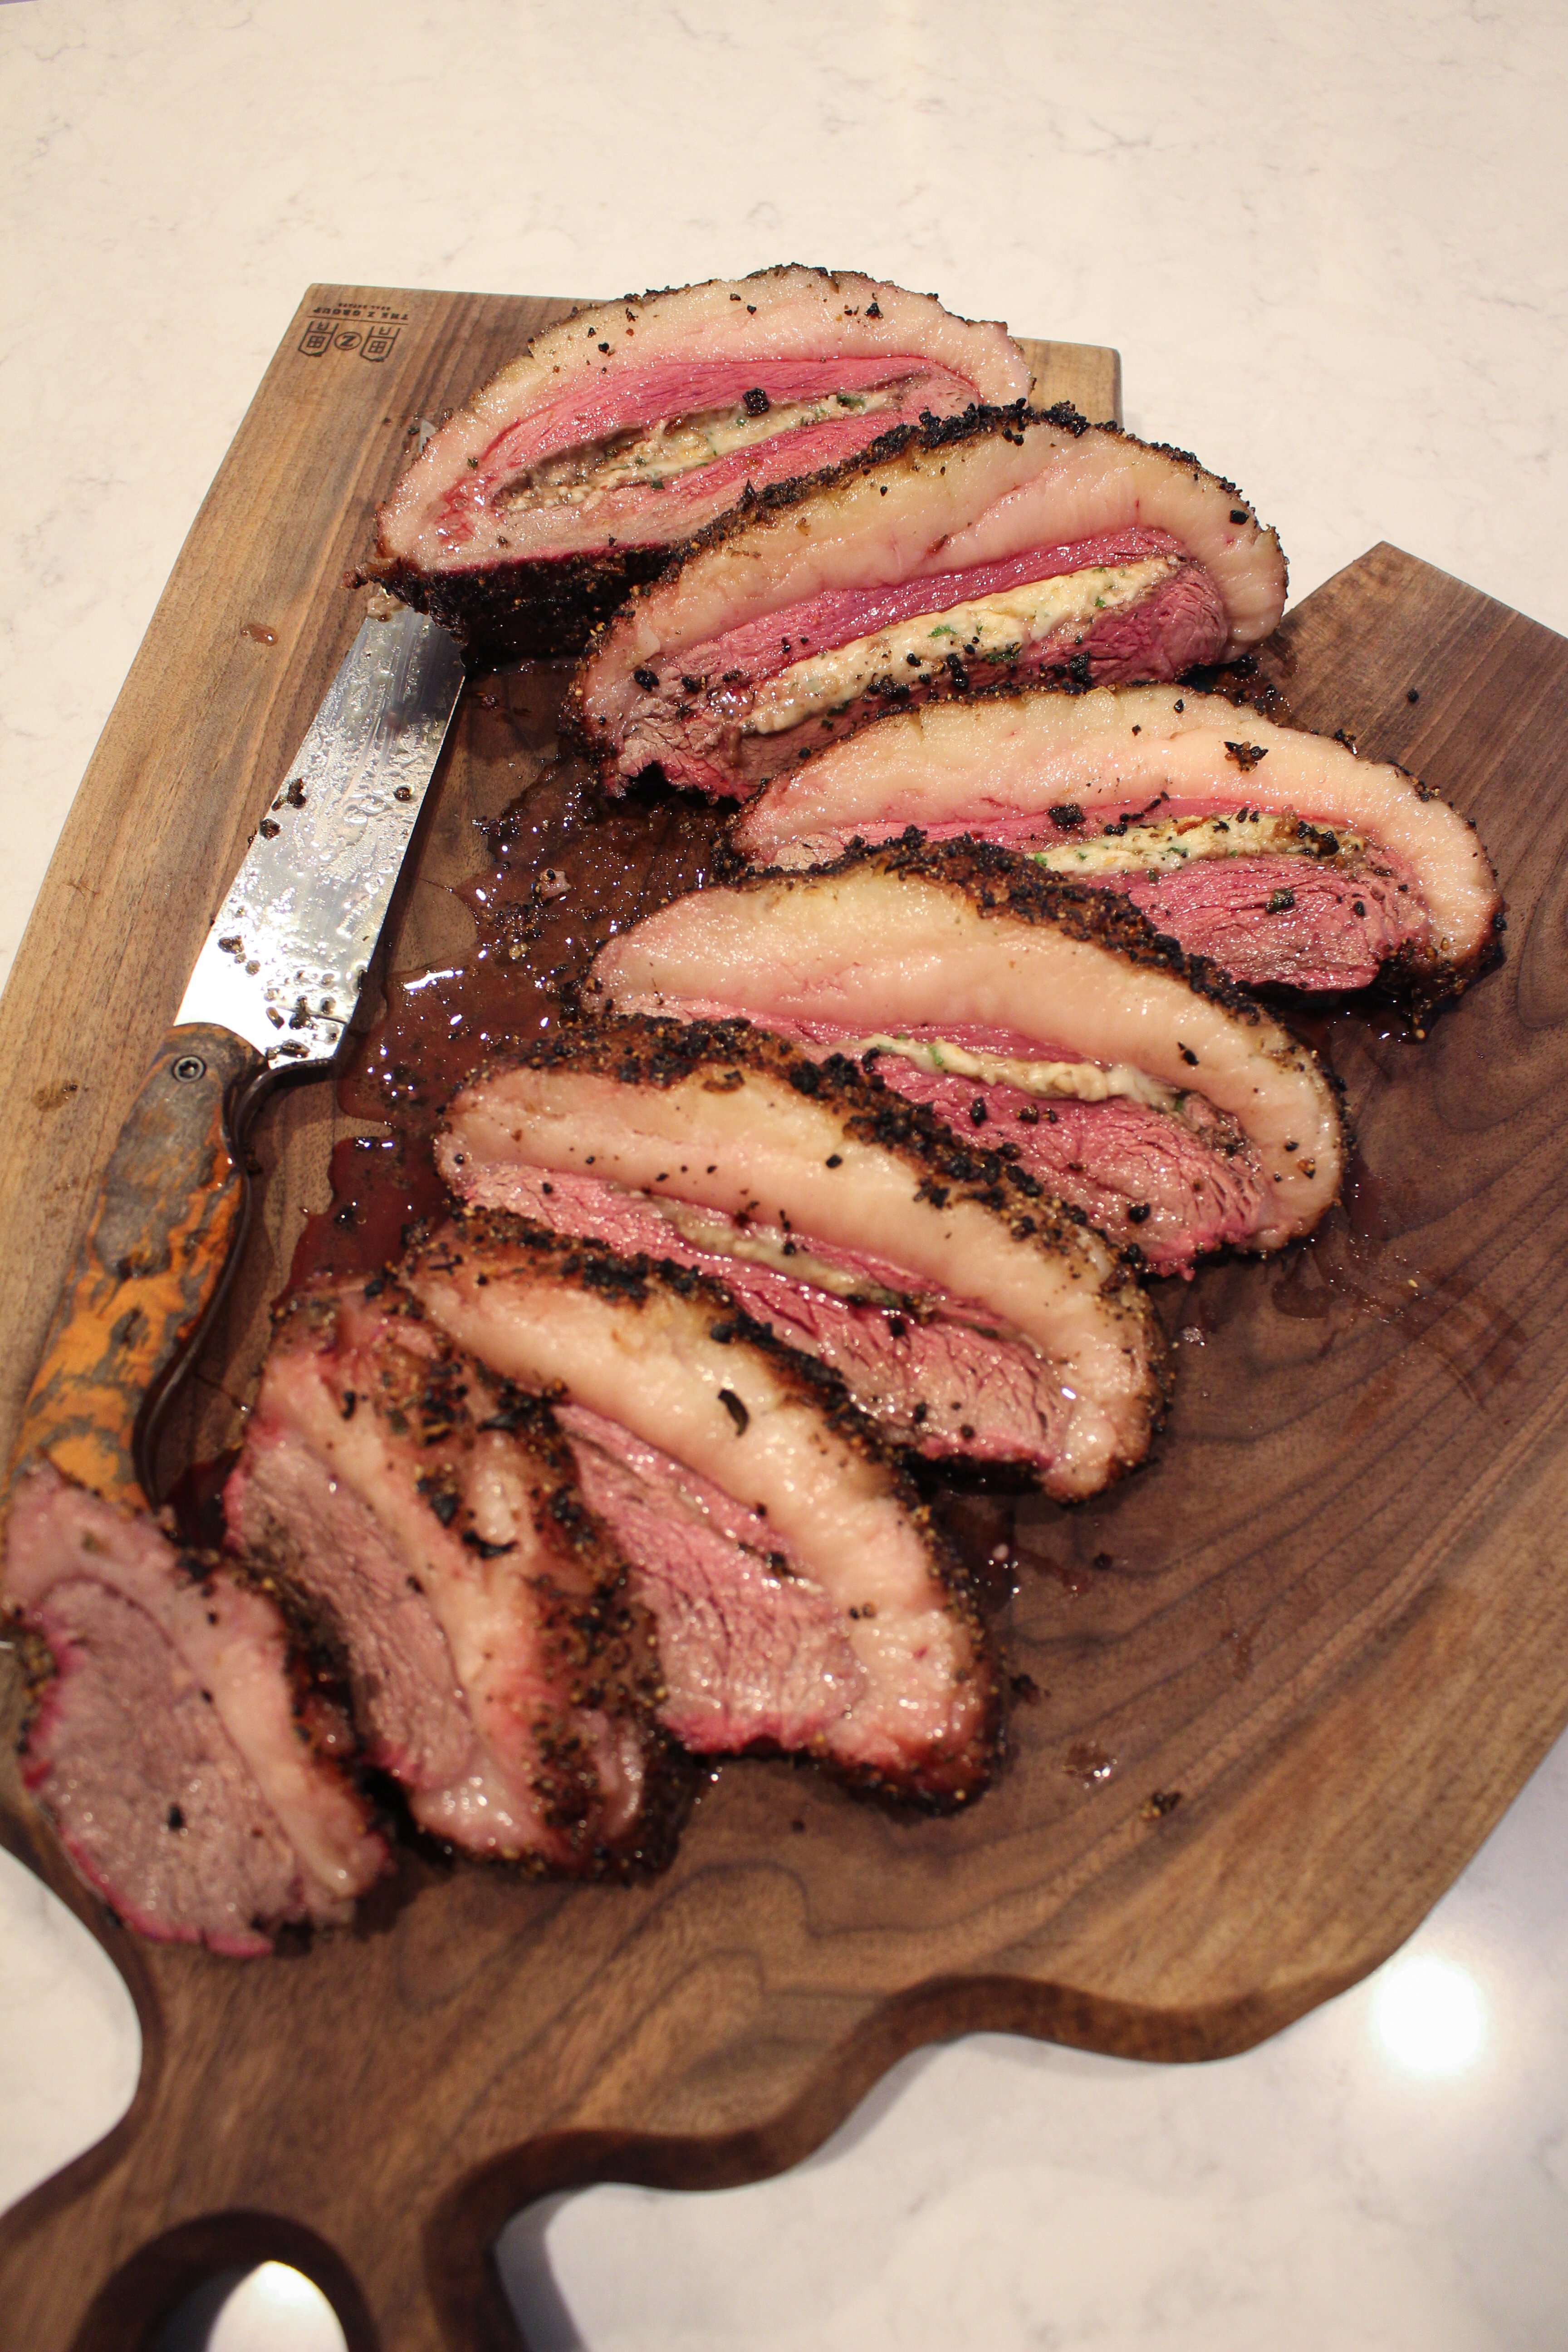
{"type": "Point", "coordinates": [1328, 237]}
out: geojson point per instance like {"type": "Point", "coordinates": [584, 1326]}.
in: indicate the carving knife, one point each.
{"type": "Point", "coordinates": [273, 990]}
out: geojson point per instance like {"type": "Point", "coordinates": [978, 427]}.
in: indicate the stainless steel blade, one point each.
{"type": "Point", "coordinates": [283, 964]}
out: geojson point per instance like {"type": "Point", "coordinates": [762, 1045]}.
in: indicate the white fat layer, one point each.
{"type": "Point", "coordinates": [484, 1608]}
{"type": "Point", "coordinates": [990, 498]}
{"type": "Point", "coordinates": [869, 950]}
{"type": "Point", "coordinates": [758, 1147]}
{"type": "Point", "coordinates": [495, 1489]}
{"type": "Point", "coordinates": [984, 764]}
{"type": "Point", "coordinates": [662, 452]}
{"type": "Point", "coordinates": [990, 628]}
{"type": "Point", "coordinates": [784, 314]}
{"type": "Point", "coordinates": [1071, 1081]}
{"type": "Point", "coordinates": [239, 1658]}
{"type": "Point", "coordinates": [1165, 844]}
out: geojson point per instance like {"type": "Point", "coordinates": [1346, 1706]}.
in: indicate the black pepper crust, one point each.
{"type": "Point", "coordinates": [496, 1242]}
{"type": "Point", "coordinates": [313, 1666]}
{"type": "Point", "coordinates": [649, 1049]}
{"type": "Point", "coordinates": [1418, 982]}
{"type": "Point", "coordinates": [529, 611]}
{"type": "Point", "coordinates": [598, 1636]}
{"type": "Point", "coordinates": [496, 1239]}
{"type": "Point", "coordinates": [1000, 884]}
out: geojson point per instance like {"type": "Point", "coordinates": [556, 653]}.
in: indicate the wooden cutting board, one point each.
{"type": "Point", "coordinates": [1278, 1686]}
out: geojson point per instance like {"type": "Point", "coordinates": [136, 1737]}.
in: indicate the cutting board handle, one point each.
{"type": "Point", "coordinates": [152, 1266]}
{"type": "Point", "coordinates": [101, 2256]}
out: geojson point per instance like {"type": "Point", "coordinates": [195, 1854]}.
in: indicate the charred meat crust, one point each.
{"type": "Point", "coordinates": [1423, 988]}
{"type": "Point", "coordinates": [633, 1283]}
{"type": "Point", "coordinates": [313, 1662]}
{"type": "Point", "coordinates": [434, 1393]}
{"type": "Point", "coordinates": [601, 1639]}
{"type": "Point", "coordinates": [998, 882]}
{"type": "Point", "coordinates": [646, 1049]}
{"type": "Point", "coordinates": [540, 610]}
{"type": "Point", "coordinates": [582, 312]}
{"type": "Point", "coordinates": [544, 607]}
{"type": "Point", "coordinates": [586, 1265]}
{"type": "Point", "coordinates": [1408, 974]}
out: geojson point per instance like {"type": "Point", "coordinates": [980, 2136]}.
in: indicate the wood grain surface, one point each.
{"type": "Point", "coordinates": [1278, 1686]}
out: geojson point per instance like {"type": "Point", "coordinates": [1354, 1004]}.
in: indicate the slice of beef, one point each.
{"type": "Point", "coordinates": [1002, 545]}
{"type": "Point", "coordinates": [965, 1310]}
{"type": "Point", "coordinates": [180, 1737]}
{"type": "Point", "coordinates": [1283, 856]}
{"type": "Point", "coordinates": [429, 1514]}
{"type": "Point", "coordinates": [666, 1356]}
{"type": "Point", "coordinates": [623, 430]}
{"type": "Point", "coordinates": [1135, 1080]}
{"type": "Point", "coordinates": [754, 1654]}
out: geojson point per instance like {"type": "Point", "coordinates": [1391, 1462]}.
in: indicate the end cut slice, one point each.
{"type": "Point", "coordinates": [181, 1737]}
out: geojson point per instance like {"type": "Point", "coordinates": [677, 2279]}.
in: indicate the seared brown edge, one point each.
{"type": "Point", "coordinates": [605, 1634]}
{"type": "Point", "coordinates": [999, 883]}
{"type": "Point", "coordinates": [541, 607]}
{"type": "Point", "coordinates": [1245, 683]}
{"type": "Point", "coordinates": [651, 1049]}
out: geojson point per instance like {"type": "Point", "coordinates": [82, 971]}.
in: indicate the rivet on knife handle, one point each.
{"type": "Point", "coordinates": [152, 1263]}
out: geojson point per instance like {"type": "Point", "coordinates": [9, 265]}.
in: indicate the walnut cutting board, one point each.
{"type": "Point", "coordinates": [1283, 1682]}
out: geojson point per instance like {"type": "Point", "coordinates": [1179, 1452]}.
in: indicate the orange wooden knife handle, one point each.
{"type": "Point", "coordinates": [152, 1264]}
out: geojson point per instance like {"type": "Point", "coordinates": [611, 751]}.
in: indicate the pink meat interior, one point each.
{"type": "Point", "coordinates": [628, 400]}
{"type": "Point", "coordinates": [838, 616]}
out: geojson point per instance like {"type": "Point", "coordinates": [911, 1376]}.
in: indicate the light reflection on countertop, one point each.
{"type": "Point", "coordinates": [1390, 2174]}
{"type": "Point", "coordinates": [1429, 2015]}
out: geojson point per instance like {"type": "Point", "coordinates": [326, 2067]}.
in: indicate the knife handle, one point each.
{"type": "Point", "coordinates": [153, 1262]}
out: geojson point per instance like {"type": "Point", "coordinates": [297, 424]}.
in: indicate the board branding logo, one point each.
{"type": "Point", "coordinates": [366, 331]}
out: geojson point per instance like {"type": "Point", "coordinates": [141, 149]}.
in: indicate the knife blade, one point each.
{"type": "Point", "coordinates": [273, 990]}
